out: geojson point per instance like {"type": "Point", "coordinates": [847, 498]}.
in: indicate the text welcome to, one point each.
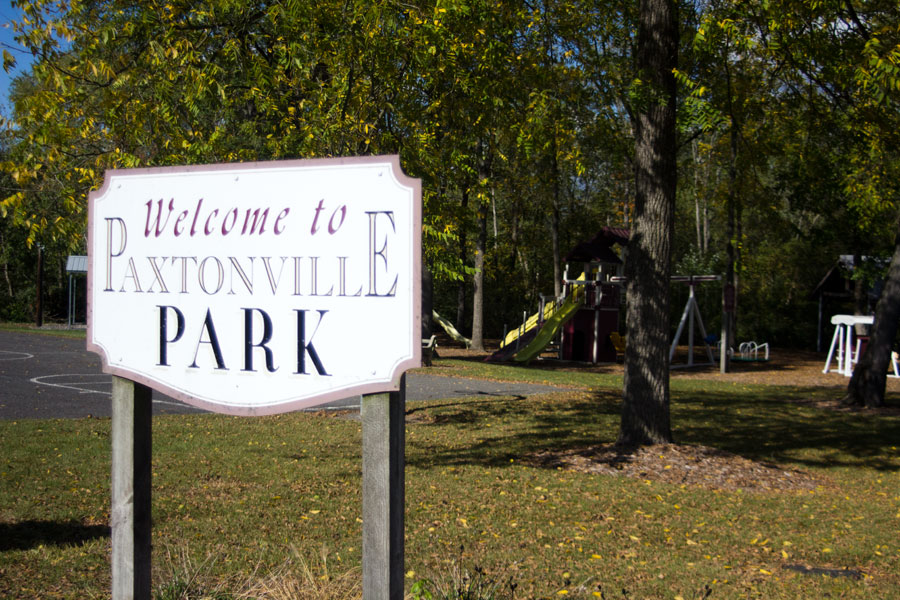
{"type": "Point", "coordinates": [282, 280]}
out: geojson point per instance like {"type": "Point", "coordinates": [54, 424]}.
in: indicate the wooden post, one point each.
{"type": "Point", "coordinates": [131, 468]}
{"type": "Point", "coordinates": [723, 348]}
{"type": "Point", "coordinates": [727, 312]}
{"type": "Point", "coordinates": [39, 306]}
{"type": "Point", "coordinates": [384, 496]}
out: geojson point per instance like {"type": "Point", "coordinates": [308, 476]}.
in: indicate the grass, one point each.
{"type": "Point", "coordinates": [269, 507]}
{"type": "Point", "coordinates": [48, 329]}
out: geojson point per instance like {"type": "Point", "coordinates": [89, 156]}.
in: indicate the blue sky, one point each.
{"type": "Point", "coordinates": [9, 13]}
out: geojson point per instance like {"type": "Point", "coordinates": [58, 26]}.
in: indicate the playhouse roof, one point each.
{"type": "Point", "coordinates": [599, 248]}
{"type": "Point", "coordinates": [838, 282]}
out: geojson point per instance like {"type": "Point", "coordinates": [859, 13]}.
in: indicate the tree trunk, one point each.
{"type": "Point", "coordinates": [869, 378]}
{"type": "Point", "coordinates": [860, 295]}
{"type": "Point", "coordinates": [513, 237]}
{"type": "Point", "coordinates": [554, 226]}
{"type": "Point", "coordinates": [9, 287]}
{"type": "Point", "coordinates": [645, 406]}
{"type": "Point", "coordinates": [39, 308]}
{"type": "Point", "coordinates": [463, 257]}
{"type": "Point", "coordinates": [427, 301]}
{"type": "Point", "coordinates": [729, 318]}
{"type": "Point", "coordinates": [478, 296]}
{"type": "Point", "coordinates": [484, 180]}
{"type": "Point", "coordinates": [699, 211]}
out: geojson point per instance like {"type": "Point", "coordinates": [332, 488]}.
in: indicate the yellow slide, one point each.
{"type": "Point", "coordinates": [552, 326]}
{"type": "Point", "coordinates": [534, 319]}
{"type": "Point", "coordinates": [450, 329]}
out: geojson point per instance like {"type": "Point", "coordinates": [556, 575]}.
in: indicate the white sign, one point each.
{"type": "Point", "coordinates": [257, 288]}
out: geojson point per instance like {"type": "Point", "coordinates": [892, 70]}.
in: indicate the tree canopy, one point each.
{"type": "Point", "coordinates": [520, 118]}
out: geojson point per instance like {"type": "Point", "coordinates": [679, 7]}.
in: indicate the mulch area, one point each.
{"type": "Point", "coordinates": [699, 465]}
{"type": "Point", "coordinates": [679, 464]}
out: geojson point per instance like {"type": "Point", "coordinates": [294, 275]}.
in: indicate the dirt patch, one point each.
{"type": "Point", "coordinates": [679, 464]}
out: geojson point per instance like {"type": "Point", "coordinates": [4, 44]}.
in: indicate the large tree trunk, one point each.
{"type": "Point", "coordinates": [645, 406]}
{"type": "Point", "coordinates": [869, 378]}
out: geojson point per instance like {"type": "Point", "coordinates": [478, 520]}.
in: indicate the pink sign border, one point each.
{"type": "Point", "coordinates": [290, 405]}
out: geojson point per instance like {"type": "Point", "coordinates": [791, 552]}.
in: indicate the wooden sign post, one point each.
{"type": "Point", "coordinates": [257, 289]}
{"type": "Point", "coordinates": [384, 493]}
{"type": "Point", "coordinates": [130, 487]}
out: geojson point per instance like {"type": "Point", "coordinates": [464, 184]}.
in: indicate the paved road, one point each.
{"type": "Point", "coordinates": [51, 377]}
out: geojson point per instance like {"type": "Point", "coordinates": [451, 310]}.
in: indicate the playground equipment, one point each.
{"type": "Point", "coordinates": [551, 326]}
{"type": "Point", "coordinates": [691, 315]}
{"type": "Point", "coordinates": [749, 352]}
{"type": "Point", "coordinates": [618, 343]}
{"type": "Point", "coordinates": [837, 287]}
{"type": "Point", "coordinates": [583, 317]}
{"type": "Point", "coordinates": [529, 323]}
{"type": "Point", "coordinates": [586, 337]}
{"type": "Point", "coordinates": [448, 327]}
{"type": "Point", "coordinates": [849, 350]}
{"type": "Point", "coordinates": [537, 331]}
{"type": "Point", "coordinates": [842, 341]}
{"type": "Point", "coordinates": [586, 316]}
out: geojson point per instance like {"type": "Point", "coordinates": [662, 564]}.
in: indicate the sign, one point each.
{"type": "Point", "coordinates": [257, 288]}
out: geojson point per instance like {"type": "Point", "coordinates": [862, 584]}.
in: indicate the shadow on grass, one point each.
{"type": "Point", "coordinates": [538, 423]}
{"type": "Point", "coordinates": [679, 362]}
{"type": "Point", "coordinates": [778, 426]}
{"type": "Point", "coordinates": [468, 401]}
{"type": "Point", "coordinates": [769, 425]}
{"type": "Point", "coordinates": [30, 534]}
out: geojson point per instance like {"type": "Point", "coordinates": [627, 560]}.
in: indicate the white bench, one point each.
{"type": "Point", "coordinates": [428, 347]}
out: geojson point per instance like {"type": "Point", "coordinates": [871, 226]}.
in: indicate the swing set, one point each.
{"type": "Point", "coordinates": [747, 351]}
{"type": "Point", "coordinates": [690, 317]}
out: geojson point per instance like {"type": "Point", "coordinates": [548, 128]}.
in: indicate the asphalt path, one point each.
{"type": "Point", "coordinates": [52, 377]}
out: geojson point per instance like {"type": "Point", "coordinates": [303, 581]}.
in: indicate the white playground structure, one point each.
{"type": "Point", "coordinates": [846, 345]}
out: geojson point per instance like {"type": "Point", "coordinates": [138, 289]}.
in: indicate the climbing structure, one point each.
{"type": "Point", "coordinates": [586, 313]}
{"type": "Point", "coordinates": [586, 337]}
